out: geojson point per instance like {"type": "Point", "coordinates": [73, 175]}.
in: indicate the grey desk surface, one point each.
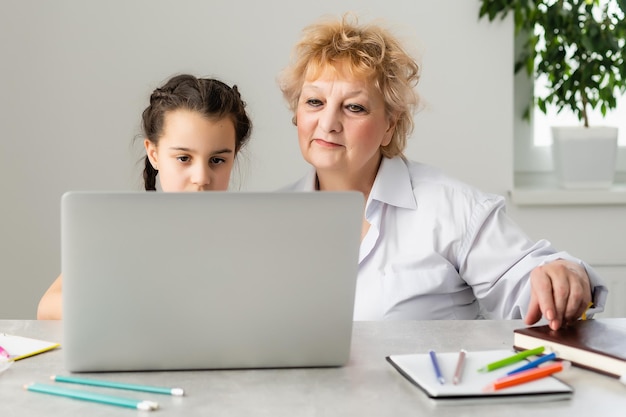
{"type": "Point", "coordinates": [367, 386]}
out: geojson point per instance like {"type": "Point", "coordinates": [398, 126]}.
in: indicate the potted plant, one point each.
{"type": "Point", "coordinates": [577, 48]}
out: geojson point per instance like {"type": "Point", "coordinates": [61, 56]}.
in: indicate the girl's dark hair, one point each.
{"type": "Point", "coordinates": [209, 97]}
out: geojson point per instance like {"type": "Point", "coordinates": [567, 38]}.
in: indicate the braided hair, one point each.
{"type": "Point", "coordinates": [209, 97]}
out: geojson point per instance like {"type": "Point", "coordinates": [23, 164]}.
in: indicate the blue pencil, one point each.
{"type": "Point", "coordinates": [534, 364]}
{"type": "Point", "coordinates": [433, 359]}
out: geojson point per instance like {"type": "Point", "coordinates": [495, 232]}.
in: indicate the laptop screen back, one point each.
{"type": "Point", "coordinates": [156, 281]}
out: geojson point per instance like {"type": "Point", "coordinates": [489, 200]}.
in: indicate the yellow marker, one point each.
{"type": "Point", "coordinates": [584, 316]}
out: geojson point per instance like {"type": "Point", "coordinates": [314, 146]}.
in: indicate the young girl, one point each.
{"type": "Point", "coordinates": [193, 128]}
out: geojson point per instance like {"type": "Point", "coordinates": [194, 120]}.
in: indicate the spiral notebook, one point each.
{"type": "Point", "coordinates": [418, 369]}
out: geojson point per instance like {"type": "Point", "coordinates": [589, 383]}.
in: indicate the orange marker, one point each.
{"type": "Point", "coordinates": [526, 376]}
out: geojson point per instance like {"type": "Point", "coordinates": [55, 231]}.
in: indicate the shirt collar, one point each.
{"type": "Point", "coordinates": [393, 184]}
{"type": "Point", "coordinates": [309, 182]}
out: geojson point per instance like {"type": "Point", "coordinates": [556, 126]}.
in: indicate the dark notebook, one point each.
{"type": "Point", "coordinates": [598, 345]}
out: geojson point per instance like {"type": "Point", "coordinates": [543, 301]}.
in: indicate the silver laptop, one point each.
{"type": "Point", "coordinates": [170, 281]}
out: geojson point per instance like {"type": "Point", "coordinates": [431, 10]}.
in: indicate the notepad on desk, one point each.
{"type": "Point", "coordinates": [598, 344]}
{"type": "Point", "coordinates": [19, 347]}
{"type": "Point", "coordinates": [418, 369]}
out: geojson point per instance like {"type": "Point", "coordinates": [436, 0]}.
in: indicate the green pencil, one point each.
{"type": "Point", "coordinates": [511, 359]}
{"type": "Point", "coordinates": [93, 397]}
{"type": "Point", "coordinates": [119, 385]}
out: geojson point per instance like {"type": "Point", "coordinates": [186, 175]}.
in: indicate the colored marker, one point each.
{"type": "Point", "coordinates": [526, 376]}
{"type": "Point", "coordinates": [93, 397]}
{"type": "Point", "coordinates": [511, 359]}
{"type": "Point", "coordinates": [459, 367]}
{"type": "Point", "coordinates": [534, 364]}
{"type": "Point", "coordinates": [119, 385]}
{"type": "Point", "coordinates": [433, 359]}
{"type": "Point", "coordinates": [4, 353]}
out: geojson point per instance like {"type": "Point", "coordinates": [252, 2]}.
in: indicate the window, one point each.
{"type": "Point", "coordinates": [542, 122]}
{"type": "Point", "coordinates": [533, 138]}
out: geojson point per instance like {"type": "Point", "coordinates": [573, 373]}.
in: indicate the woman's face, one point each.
{"type": "Point", "coordinates": [194, 153]}
{"type": "Point", "coordinates": [342, 123]}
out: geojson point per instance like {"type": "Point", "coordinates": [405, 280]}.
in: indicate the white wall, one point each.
{"type": "Point", "coordinates": [76, 75]}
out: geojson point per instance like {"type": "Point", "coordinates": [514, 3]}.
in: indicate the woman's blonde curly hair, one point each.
{"type": "Point", "coordinates": [368, 51]}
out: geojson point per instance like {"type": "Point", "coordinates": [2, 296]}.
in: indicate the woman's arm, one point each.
{"type": "Point", "coordinates": [50, 304]}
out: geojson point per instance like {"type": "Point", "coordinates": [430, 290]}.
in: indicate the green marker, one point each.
{"type": "Point", "coordinates": [512, 359]}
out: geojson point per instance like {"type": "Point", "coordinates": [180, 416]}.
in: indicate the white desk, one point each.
{"type": "Point", "coordinates": [367, 386]}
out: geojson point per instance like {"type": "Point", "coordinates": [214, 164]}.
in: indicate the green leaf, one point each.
{"type": "Point", "coordinates": [579, 46]}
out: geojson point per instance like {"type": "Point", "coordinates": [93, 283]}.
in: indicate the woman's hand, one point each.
{"type": "Point", "coordinates": [560, 292]}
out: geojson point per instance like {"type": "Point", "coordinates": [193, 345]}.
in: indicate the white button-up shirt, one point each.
{"type": "Point", "coordinates": [440, 249]}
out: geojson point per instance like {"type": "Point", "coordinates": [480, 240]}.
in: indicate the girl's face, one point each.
{"type": "Point", "coordinates": [194, 153]}
{"type": "Point", "coordinates": [342, 123]}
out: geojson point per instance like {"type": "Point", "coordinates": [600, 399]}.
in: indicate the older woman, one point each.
{"type": "Point", "coordinates": [432, 247]}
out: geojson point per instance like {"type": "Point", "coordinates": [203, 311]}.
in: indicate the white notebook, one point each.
{"type": "Point", "coordinates": [419, 370]}
{"type": "Point", "coordinates": [20, 347]}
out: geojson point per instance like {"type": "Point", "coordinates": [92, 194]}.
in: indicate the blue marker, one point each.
{"type": "Point", "coordinates": [534, 364]}
{"type": "Point", "coordinates": [433, 359]}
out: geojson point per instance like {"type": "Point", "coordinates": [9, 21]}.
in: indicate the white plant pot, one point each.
{"type": "Point", "coordinates": [584, 157]}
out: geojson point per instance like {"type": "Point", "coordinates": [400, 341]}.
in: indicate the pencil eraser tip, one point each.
{"type": "Point", "coordinates": [147, 405]}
